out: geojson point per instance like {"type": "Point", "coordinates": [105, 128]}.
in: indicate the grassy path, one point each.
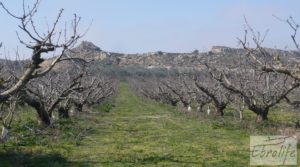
{"type": "Point", "coordinates": [138, 132]}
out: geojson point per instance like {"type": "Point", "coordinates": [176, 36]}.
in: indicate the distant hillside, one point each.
{"type": "Point", "coordinates": [161, 59]}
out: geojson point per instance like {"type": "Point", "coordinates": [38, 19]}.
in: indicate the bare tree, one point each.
{"type": "Point", "coordinates": [179, 89]}
{"type": "Point", "coordinates": [270, 60]}
{"type": "Point", "coordinates": [203, 83]}
{"type": "Point", "coordinates": [199, 97]}
{"type": "Point", "coordinates": [265, 76]}
{"type": "Point", "coordinates": [41, 43]}
{"type": "Point", "coordinates": [188, 89]}
{"type": "Point", "coordinates": [151, 88]}
{"type": "Point", "coordinates": [45, 94]}
{"type": "Point", "coordinates": [174, 90]}
{"type": "Point", "coordinates": [14, 80]}
{"type": "Point", "coordinates": [260, 91]}
{"type": "Point", "coordinates": [95, 89]}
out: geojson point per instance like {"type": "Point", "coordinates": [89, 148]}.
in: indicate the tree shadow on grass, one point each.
{"type": "Point", "coordinates": [151, 159]}
{"type": "Point", "coordinates": [172, 160]}
{"type": "Point", "coordinates": [20, 159]}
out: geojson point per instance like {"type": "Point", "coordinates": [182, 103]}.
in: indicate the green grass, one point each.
{"type": "Point", "coordinates": [140, 132]}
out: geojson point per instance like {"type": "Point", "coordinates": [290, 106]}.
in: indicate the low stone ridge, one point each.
{"type": "Point", "coordinates": [89, 51]}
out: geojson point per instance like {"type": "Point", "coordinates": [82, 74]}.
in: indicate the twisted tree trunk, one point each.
{"type": "Point", "coordinates": [262, 112]}
{"type": "Point", "coordinates": [63, 112]}
{"type": "Point", "coordinates": [43, 115]}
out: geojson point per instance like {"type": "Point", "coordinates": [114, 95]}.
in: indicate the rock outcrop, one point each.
{"type": "Point", "coordinates": [89, 51]}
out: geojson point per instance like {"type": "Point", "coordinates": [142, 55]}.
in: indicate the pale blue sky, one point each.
{"type": "Point", "coordinates": [132, 26]}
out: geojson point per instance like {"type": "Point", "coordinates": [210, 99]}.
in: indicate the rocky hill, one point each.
{"type": "Point", "coordinates": [161, 59]}
{"type": "Point", "coordinates": [89, 51]}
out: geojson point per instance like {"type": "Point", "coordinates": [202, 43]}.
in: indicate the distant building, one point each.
{"type": "Point", "coordinates": [224, 49]}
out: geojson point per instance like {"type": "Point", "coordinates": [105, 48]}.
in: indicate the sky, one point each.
{"type": "Point", "coordinates": [138, 26]}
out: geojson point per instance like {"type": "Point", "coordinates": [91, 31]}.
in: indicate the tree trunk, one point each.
{"type": "Point", "coordinates": [262, 112]}
{"type": "Point", "coordinates": [185, 104]}
{"type": "Point", "coordinates": [78, 107]}
{"type": "Point", "coordinates": [174, 102]}
{"type": "Point", "coordinates": [241, 109]}
{"type": "Point", "coordinates": [63, 112]}
{"type": "Point", "coordinates": [297, 124]}
{"type": "Point", "coordinates": [220, 108]}
{"type": "Point", "coordinates": [200, 108]}
{"type": "Point", "coordinates": [241, 114]}
{"type": "Point", "coordinates": [44, 116]}
{"type": "Point", "coordinates": [4, 134]}
{"type": "Point", "coordinates": [262, 115]}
